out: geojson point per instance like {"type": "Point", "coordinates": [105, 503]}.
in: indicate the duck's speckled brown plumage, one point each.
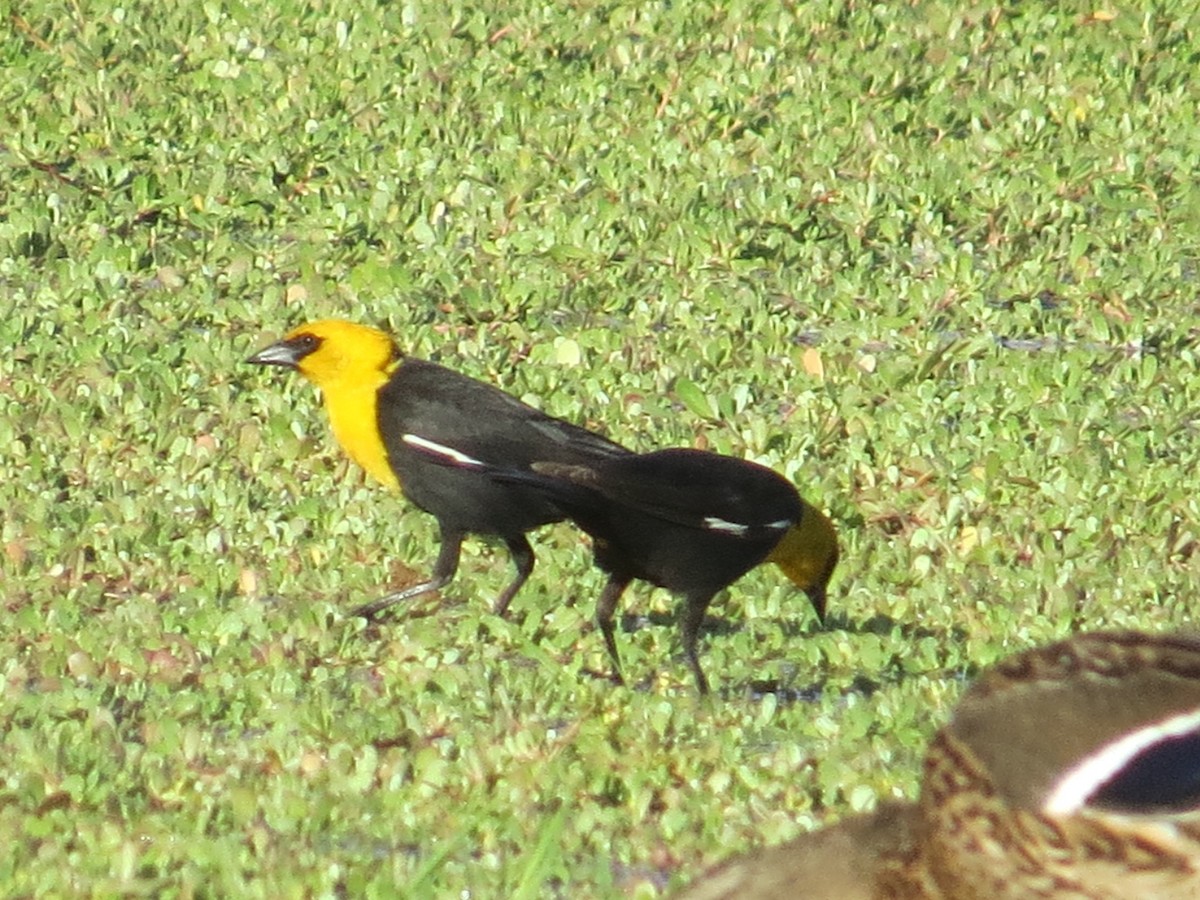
{"type": "Point", "coordinates": [1069, 772]}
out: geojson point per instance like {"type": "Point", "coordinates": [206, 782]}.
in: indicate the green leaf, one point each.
{"type": "Point", "coordinates": [696, 401]}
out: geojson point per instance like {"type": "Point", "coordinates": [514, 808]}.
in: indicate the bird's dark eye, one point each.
{"type": "Point", "coordinates": [305, 344]}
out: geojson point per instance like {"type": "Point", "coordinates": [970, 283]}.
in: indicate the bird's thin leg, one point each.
{"type": "Point", "coordinates": [605, 609]}
{"type": "Point", "coordinates": [690, 620]}
{"type": "Point", "coordinates": [523, 559]}
{"type": "Point", "coordinates": [443, 572]}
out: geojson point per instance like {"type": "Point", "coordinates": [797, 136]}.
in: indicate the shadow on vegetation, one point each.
{"type": "Point", "coordinates": [787, 691]}
{"type": "Point", "coordinates": [786, 687]}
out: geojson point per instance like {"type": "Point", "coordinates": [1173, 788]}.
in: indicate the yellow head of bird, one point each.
{"type": "Point", "coordinates": [808, 553]}
{"type": "Point", "coordinates": [333, 352]}
{"type": "Point", "coordinates": [349, 363]}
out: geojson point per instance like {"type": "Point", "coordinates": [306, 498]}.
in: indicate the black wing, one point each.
{"type": "Point", "coordinates": [700, 490]}
{"type": "Point", "coordinates": [481, 422]}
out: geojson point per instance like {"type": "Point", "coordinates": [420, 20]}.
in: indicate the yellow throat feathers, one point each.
{"type": "Point", "coordinates": [350, 365]}
{"type": "Point", "coordinates": [808, 551]}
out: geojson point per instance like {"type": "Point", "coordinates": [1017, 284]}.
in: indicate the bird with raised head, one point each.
{"type": "Point", "coordinates": [388, 410]}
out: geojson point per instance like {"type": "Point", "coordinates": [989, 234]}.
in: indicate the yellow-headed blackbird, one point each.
{"type": "Point", "coordinates": [686, 520]}
{"type": "Point", "coordinates": [399, 418]}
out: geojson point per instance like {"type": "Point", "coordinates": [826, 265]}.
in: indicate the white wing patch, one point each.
{"type": "Point", "coordinates": [713, 523]}
{"type": "Point", "coordinates": [737, 529]}
{"type": "Point", "coordinates": [454, 457]}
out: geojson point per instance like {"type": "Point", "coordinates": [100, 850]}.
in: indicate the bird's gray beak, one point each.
{"type": "Point", "coordinates": [283, 353]}
{"type": "Point", "coordinates": [817, 596]}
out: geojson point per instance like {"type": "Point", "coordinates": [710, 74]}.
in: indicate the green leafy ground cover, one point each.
{"type": "Point", "coordinates": [936, 263]}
